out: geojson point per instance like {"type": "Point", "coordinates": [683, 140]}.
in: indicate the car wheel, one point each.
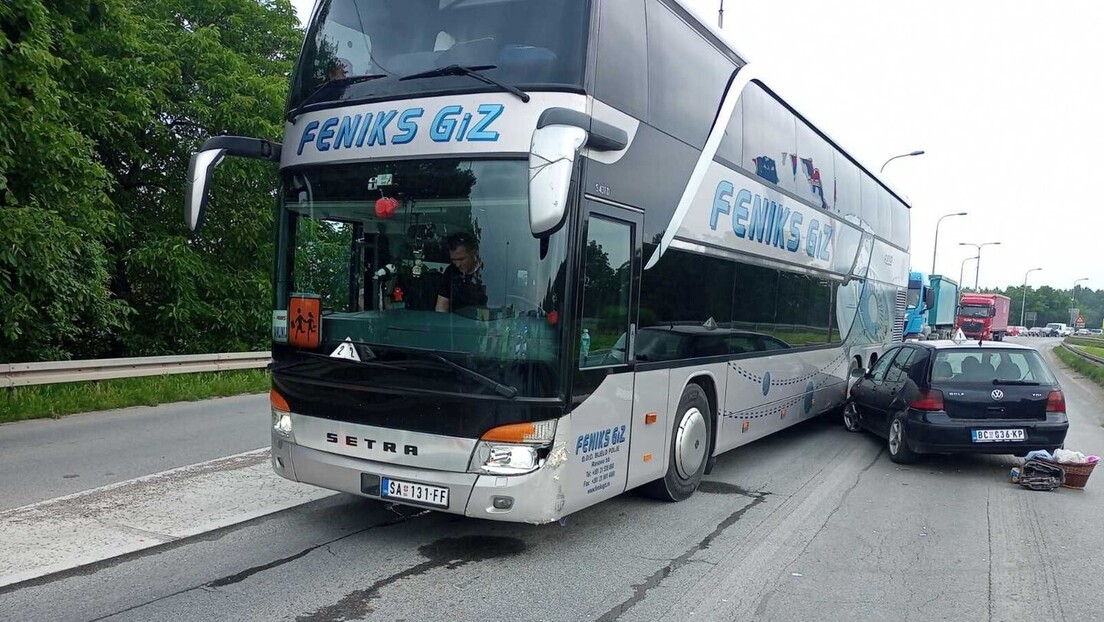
{"type": "Point", "coordinates": [689, 451]}
{"type": "Point", "coordinates": [851, 421]}
{"type": "Point", "coordinates": [899, 450]}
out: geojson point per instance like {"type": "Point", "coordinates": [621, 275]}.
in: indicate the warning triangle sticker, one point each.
{"type": "Point", "coordinates": [959, 337]}
{"type": "Point", "coordinates": [346, 351]}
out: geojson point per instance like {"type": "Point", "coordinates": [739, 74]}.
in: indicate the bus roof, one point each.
{"type": "Point", "coordinates": [706, 24]}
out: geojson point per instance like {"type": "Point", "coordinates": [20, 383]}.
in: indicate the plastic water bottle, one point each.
{"type": "Point", "coordinates": [584, 348]}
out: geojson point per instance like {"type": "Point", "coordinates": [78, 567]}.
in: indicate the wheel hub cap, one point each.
{"type": "Point", "coordinates": [691, 443]}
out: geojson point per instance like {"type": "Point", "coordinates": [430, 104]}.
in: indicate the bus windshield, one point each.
{"type": "Point", "coordinates": [433, 258]}
{"type": "Point", "coordinates": [524, 43]}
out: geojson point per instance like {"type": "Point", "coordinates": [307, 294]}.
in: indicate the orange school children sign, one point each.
{"type": "Point", "coordinates": [305, 320]}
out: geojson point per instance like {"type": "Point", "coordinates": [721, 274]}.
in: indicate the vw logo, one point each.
{"type": "Point", "coordinates": [998, 394]}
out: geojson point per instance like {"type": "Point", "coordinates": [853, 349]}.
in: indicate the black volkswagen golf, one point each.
{"type": "Point", "coordinates": [947, 397]}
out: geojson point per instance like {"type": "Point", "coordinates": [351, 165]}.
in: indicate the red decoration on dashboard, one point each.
{"type": "Point", "coordinates": [386, 207]}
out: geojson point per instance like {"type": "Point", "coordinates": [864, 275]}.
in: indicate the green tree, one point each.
{"type": "Point", "coordinates": [101, 104]}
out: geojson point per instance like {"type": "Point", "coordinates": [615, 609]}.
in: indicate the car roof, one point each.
{"type": "Point", "coordinates": [987, 345]}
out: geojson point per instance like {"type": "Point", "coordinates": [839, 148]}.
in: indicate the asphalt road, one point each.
{"type": "Point", "coordinates": [47, 458]}
{"type": "Point", "coordinates": [810, 524]}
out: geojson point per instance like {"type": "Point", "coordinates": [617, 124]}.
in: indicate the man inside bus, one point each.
{"type": "Point", "coordinates": [461, 284]}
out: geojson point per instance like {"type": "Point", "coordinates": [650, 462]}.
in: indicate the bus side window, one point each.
{"type": "Point", "coordinates": [606, 288]}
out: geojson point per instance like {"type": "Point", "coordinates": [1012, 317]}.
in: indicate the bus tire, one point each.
{"type": "Point", "coordinates": [689, 452]}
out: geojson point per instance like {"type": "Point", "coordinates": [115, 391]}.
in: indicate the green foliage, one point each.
{"type": "Point", "coordinates": [1090, 370]}
{"type": "Point", "coordinates": [55, 400]}
{"type": "Point", "coordinates": [1053, 305]}
{"type": "Point", "coordinates": [101, 105]}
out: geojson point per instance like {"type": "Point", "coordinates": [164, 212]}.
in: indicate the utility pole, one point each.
{"type": "Point", "coordinates": [720, 16]}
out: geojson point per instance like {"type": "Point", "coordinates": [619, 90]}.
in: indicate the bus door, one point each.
{"type": "Point", "coordinates": [602, 387]}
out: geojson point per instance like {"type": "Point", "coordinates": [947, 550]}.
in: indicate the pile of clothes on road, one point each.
{"type": "Point", "coordinates": [1043, 470]}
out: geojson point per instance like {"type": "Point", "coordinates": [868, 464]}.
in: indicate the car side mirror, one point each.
{"type": "Point", "coordinates": [859, 373]}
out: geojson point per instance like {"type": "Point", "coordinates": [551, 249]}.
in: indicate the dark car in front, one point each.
{"type": "Point", "coordinates": [947, 397]}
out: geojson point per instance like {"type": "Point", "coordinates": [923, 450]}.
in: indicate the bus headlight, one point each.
{"type": "Point", "coordinates": [514, 449]}
{"type": "Point", "coordinates": [281, 416]}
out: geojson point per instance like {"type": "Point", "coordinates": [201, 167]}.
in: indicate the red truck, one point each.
{"type": "Point", "coordinates": [984, 316]}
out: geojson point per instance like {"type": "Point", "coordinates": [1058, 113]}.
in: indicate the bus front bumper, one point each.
{"type": "Point", "coordinates": [532, 498]}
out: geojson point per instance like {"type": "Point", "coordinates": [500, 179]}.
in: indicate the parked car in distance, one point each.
{"type": "Point", "coordinates": [943, 397]}
{"type": "Point", "coordinates": [1013, 331]}
{"type": "Point", "coordinates": [1096, 331]}
{"type": "Point", "coordinates": [1083, 331]}
{"type": "Point", "coordinates": [1037, 331]}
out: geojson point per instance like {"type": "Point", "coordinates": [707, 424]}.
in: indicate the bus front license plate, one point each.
{"type": "Point", "coordinates": [436, 496]}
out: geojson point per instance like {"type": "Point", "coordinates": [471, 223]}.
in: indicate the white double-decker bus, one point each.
{"type": "Point", "coordinates": [534, 253]}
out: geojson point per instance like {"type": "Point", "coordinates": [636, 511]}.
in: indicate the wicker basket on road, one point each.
{"type": "Point", "coordinates": [1077, 475]}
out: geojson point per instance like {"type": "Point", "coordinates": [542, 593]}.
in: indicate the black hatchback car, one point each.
{"type": "Point", "coordinates": [946, 397]}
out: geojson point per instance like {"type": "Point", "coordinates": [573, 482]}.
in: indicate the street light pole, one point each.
{"type": "Point", "coordinates": [903, 155]}
{"type": "Point", "coordinates": [977, 269]}
{"type": "Point", "coordinates": [935, 249]}
{"type": "Point", "coordinates": [1023, 307]}
{"type": "Point", "coordinates": [720, 16]}
{"type": "Point", "coordinates": [962, 269]}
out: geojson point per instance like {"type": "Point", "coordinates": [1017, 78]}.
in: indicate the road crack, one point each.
{"type": "Point", "coordinates": [640, 590]}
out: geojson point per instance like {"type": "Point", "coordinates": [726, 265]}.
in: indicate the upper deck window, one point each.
{"type": "Point", "coordinates": [532, 44]}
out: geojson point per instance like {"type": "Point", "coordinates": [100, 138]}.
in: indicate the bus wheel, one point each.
{"type": "Point", "coordinates": [689, 450]}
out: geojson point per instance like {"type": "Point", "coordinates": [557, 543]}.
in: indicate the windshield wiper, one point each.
{"type": "Point", "coordinates": [1018, 383]}
{"type": "Point", "coordinates": [337, 359]}
{"type": "Point", "coordinates": [329, 84]}
{"type": "Point", "coordinates": [473, 71]}
{"type": "Point", "coordinates": [504, 390]}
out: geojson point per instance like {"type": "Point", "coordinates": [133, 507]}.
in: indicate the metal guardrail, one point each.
{"type": "Point", "coordinates": [26, 374]}
{"type": "Point", "coordinates": [1083, 354]}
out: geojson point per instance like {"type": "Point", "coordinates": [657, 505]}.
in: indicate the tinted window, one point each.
{"type": "Point", "coordinates": [815, 167]}
{"type": "Point", "coordinates": [770, 139]}
{"type": "Point", "coordinates": [804, 310]}
{"type": "Point", "coordinates": [882, 366]}
{"type": "Point", "coordinates": [980, 365]}
{"type": "Point", "coordinates": [732, 145]}
{"type": "Point", "coordinates": [528, 42]}
{"type": "Point", "coordinates": [846, 195]}
{"type": "Point", "coordinates": [687, 288]}
{"type": "Point", "coordinates": [605, 292]}
{"type": "Point", "coordinates": [686, 77]}
{"type": "Point", "coordinates": [900, 231]}
{"type": "Point", "coordinates": [900, 366]}
{"type": "Point", "coordinates": [870, 196]}
{"type": "Point", "coordinates": [623, 57]}
{"type": "Point", "coordinates": [755, 297]}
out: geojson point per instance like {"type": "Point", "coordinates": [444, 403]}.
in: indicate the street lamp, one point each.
{"type": "Point", "coordinates": [963, 269]}
{"type": "Point", "coordinates": [1023, 307]}
{"type": "Point", "coordinates": [977, 269]}
{"type": "Point", "coordinates": [935, 249]}
{"type": "Point", "coordinates": [903, 155]}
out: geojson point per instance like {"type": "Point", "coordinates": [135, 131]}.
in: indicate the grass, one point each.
{"type": "Point", "coordinates": [1090, 370]}
{"type": "Point", "coordinates": [57, 400]}
{"type": "Point", "coordinates": [1093, 350]}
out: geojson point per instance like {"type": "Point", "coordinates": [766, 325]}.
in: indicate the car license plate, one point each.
{"type": "Point", "coordinates": [436, 496]}
{"type": "Point", "coordinates": [998, 436]}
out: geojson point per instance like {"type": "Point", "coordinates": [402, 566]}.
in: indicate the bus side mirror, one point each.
{"type": "Point", "coordinates": [551, 163]}
{"type": "Point", "coordinates": [203, 163]}
{"type": "Point", "coordinates": [200, 170]}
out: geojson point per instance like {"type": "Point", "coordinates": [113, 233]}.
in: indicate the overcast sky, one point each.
{"type": "Point", "coordinates": [1006, 98]}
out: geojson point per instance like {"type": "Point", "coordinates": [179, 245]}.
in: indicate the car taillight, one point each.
{"type": "Point", "coordinates": [1056, 402]}
{"type": "Point", "coordinates": [930, 399]}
